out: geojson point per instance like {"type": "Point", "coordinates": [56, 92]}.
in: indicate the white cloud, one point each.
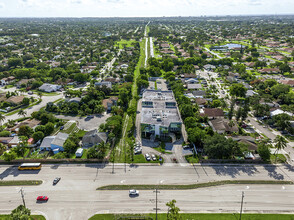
{"type": "Point", "coordinates": [2, 5]}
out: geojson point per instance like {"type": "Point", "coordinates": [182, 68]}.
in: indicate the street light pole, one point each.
{"type": "Point", "coordinates": [241, 205]}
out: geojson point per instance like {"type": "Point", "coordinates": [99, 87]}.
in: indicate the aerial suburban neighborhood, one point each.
{"type": "Point", "coordinates": [100, 114]}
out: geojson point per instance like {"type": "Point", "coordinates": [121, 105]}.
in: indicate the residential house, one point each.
{"type": "Point", "coordinates": [209, 67]}
{"type": "Point", "coordinates": [212, 112]}
{"type": "Point", "coordinates": [104, 83]}
{"type": "Point", "coordinates": [201, 102]}
{"type": "Point", "coordinates": [24, 82]}
{"type": "Point", "coordinates": [194, 86]}
{"type": "Point", "coordinates": [46, 143]}
{"type": "Point", "coordinates": [222, 125]}
{"type": "Point", "coordinates": [15, 100]}
{"type": "Point", "coordinates": [94, 137]}
{"type": "Point", "coordinates": [108, 103]}
{"type": "Point", "coordinates": [278, 111]}
{"type": "Point", "coordinates": [250, 93]}
{"type": "Point", "coordinates": [6, 81]}
{"type": "Point", "coordinates": [288, 82]}
{"type": "Point", "coordinates": [46, 87]}
{"type": "Point", "coordinates": [199, 93]}
{"type": "Point", "coordinates": [32, 123]}
{"type": "Point", "coordinates": [57, 143]}
{"type": "Point", "coordinates": [248, 140]}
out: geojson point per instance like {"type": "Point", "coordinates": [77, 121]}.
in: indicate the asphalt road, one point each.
{"type": "Point", "coordinates": [85, 123]}
{"type": "Point", "coordinates": [75, 197]}
{"type": "Point", "coordinates": [30, 110]}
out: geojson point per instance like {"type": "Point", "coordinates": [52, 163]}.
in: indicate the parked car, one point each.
{"type": "Point", "coordinates": [153, 157]}
{"type": "Point", "coordinates": [42, 198]}
{"type": "Point", "coordinates": [56, 180]}
{"type": "Point", "coordinates": [90, 116]}
{"type": "Point", "coordinates": [138, 150]}
{"type": "Point", "coordinates": [147, 156]}
{"type": "Point", "coordinates": [61, 128]}
{"type": "Point", "coordinates": [133, 192]}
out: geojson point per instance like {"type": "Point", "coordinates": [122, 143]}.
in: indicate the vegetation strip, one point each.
{"type": "Point", "coordinates": [190, 186]}
{"type": "Point", "coordinates": [20, 182]}
{"type": "Point", "coordinates": [202, 216]}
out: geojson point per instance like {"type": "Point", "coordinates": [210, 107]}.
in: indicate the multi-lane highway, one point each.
{"type": "Point", "coordinates": [76, 197]}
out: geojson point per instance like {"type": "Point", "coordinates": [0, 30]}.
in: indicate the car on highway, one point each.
{"type": "Point", "coordinates": [153, 157]}
{"type": "Point", "coordinates": [56, 180]}
{"type": "Point", "coordinates": [147, 156]}
{"type": "Point", "coordinates": [42, 198]}
{"type": "Point", "coordinates": [133, 192]}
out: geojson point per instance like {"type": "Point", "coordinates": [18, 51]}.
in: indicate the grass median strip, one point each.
{"type": "Point", "coordinates": [196, 216]}
{"type": "Point", "coordinates": [20, 182]}
{"type": "Point", "coordinates": [190, 186]}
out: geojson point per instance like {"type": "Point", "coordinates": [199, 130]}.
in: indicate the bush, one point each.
{"type": "Point", "coordinates": [4, 133]}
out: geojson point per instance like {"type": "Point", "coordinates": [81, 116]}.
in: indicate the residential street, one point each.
{"type": "Point", "coordinates": [30, 110]}
{"type": "Point", "coordinates": [271, 134]}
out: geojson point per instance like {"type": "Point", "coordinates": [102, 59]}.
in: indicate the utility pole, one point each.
{"type": "Point", "coordinates": [125, 155]}
{"type": "Point", "coordinates": [113, 156]}
{"type": "Point", "coordinates": [156, 191]}
{"type": "Point", "coordinates": [22, 196]}
{"type": "Point", "coordinates": [241, 205]}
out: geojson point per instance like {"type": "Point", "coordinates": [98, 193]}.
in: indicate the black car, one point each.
{"type": "Point", "coordinates": [56, 180]}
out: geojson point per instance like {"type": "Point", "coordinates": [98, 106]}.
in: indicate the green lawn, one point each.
{"type": "Point", "coordinates": [190, 186]}
{"type": "Point", "coordinates": [70, 129]}
{"type": "Point", "coordinates": [20, 182]}
{"type": "Point", "coordinates": [140, 158]}
{"type": "Point", "coordinates": [192, 159]}
{"type": "Point", "coordinates": [32, 217]}
{"type": "Point", "coordinates": [279, 158]}
{"type": "Point", "coordinates": [200, 216]}
{"type": "Point", "coordinates": [122, 43]}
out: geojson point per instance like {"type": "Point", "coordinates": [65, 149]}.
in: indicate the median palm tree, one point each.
{"type": "Point", "coordinates": [22, 113]}
{"type": "Point", "coordinates": [280, 143]}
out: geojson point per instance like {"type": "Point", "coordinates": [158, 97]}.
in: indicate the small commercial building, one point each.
{"type": "Point", "coordinates": [159, 115]}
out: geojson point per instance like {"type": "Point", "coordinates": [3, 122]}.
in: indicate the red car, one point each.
{"type": "Point", "coordinates": [42, 198]}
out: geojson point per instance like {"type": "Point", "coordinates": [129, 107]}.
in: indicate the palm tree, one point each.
{"type": "Point", "coordinates": [10, 123]}
{"type": "Point", "coordinates": [2, 118]}
{"type": "Point", "coordinates": [22, 113]}
{"type": "Point", "coordinates": [2, 148]}
{"type": "Point", "coordinates": [40, 95]}
{"type": "Point", "coordinates": [280, 143]}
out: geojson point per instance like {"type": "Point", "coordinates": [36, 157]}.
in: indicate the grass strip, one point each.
{"type": "Point", "coordinates": [195, 216]}
{"type": "Point", "coordinates": [32, 217]}
{"type": "Point", "coordinates": [190, 186]}
{"type": "Point", "coordinates": [20, 182]}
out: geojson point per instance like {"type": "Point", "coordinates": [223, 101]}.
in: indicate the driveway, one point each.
{"type": "Point", "coordinates": [85, 123]}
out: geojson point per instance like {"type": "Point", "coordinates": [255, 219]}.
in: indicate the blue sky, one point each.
{"type": "Point", "coordinates": [141, 8]}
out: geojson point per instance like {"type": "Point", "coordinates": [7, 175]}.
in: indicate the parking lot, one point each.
{"type": "Point", "coordinates": [87, 123]}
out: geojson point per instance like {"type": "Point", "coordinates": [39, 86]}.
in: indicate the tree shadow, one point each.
{"type": "Point", "coordinates": [234, 170]}
{"type": "Point", "coordinates": [289, 167]}
{"type": "Point", "coordinates": [273, 173]}
{"type": "Point", "coordinates": [134, 165]}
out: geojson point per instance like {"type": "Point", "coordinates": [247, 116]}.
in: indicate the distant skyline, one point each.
{"type": "Point", "coordinates": [142, 8]}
